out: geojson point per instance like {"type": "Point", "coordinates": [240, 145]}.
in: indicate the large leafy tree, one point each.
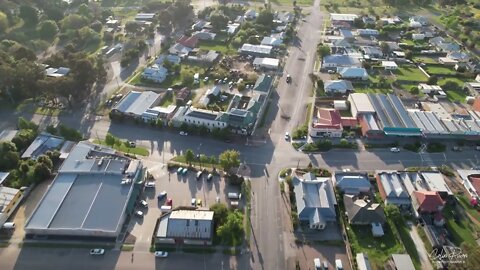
{"type": "Point", "coordinates": [28, 14]}
{"type": "Point", "coordinates": [219, 20]}
{"type": "Point", "coordinates": [3, 22]}
{"type": "Point", "coordinates": [48, 29]}
{"type": "Point", "coordinates": [189, 156]}
{"type": "Point", "coordinates": [232, 230]}
{"type": "Point", "coordinates": [229, 159]}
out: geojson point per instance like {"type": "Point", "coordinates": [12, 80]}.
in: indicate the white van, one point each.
{"type": "Point", "coordinates": [233, 196]}
{"type": "Point", "coordinates": [338, 264]}
{"type": "Point", "coordinates": [317, 264]}
{"type": "Point", "coordinates": [165, 208]}
{"type": "Point", "coordinates": [8, 225]}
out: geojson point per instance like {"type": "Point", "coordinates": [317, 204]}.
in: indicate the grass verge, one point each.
{"type": "Point", "coordinates": [123, 148]}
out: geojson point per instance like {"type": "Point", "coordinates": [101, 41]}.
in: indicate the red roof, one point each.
{"type": "Point", "coordinates": [190, 42]}
{"type": "Point", "coordinates": [476, 104]}
{"type": "Point", "coordinates": [475, 183]}
{"type": "Point", "coordinates": [328, 118]}
{"type": "Point", "coordinates": [428, 201]}
{"type": "Point", "coordinates": [349, 121]}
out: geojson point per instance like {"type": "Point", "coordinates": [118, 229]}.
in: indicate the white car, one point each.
{"type": "Point", "coordinates": [161, 254]}
{"type": "Point", "coordinates": [139, 213]}
{"type": "Point", "coordinates": [394, 150]}
{"type": "Point", "coordinates": [287, 136]}
{"type": "Point", "coordinates": [97, 251]}
{"type": "Point", "coordinates": [132, 144]}
{"type": "Point", "coordinates": [183, 133]}
{"type": "Point", "coordinates": [143, 203]}
{"type": "Point", "coordinates": [193, 202]}
{"type": "Point", "coordinates": [150, 184]}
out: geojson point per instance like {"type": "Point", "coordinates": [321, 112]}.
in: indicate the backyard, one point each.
{"type": "Point", "coordinates": [410, 73]}
{"type": "Point", "coordinates": [464, 230]}
{"type": "Point", "coordinates": [218, 46]}
{"type": "Point", "coordinates": [438, 70]}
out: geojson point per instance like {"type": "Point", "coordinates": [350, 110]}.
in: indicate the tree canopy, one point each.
{"type": "Point", "coordinates": [229, 159]}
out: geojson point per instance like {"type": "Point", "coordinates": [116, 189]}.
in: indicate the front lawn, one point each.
{"type": "Point", "coordinates": [425, 59]}
{"type": "Point", "coordinates": [410, 73]}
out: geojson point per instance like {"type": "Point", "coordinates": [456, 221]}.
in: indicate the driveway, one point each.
{"type": "Point", "coordinates": [422, 252]}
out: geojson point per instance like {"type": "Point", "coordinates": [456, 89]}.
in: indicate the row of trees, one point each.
{"type": "Point", "coordinates": [227, 160]}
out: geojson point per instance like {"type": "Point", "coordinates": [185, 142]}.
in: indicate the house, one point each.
{"type": "Point", "coordinates": [400, 262]}
{"type": "Point", "coordinates": [371, 52]}
{"type": "Point", "coordinates": [347, 35]}
{"type": "Point", "coordinates": [142, 17]}
{"type": "Point", "coordinates": [204, 35]}
{"type": "Point", "coordinates": [353, 73]}
{"type": "Point", "coordinates": [11, 198]}
{"type": "Point", "coordinates": [420, 19]}
{"type": "Point", "coordinates": [417, 36]}
{"type": "Point", "coordinates": [274, 42]}
{"type": "Point", "coordinates": [211, 93]}
{"type": "Point", "coordinates": [352, 182]}
{"type": "Point", "coordinates": [315, 200]}
{"type": "Point", "coordinates": [362, 260]}
{"type": "Point", "coordinates": [364, 212]}
{"type": "Point", "coordinates": [232, 28]}
{"type": "Point", "coordinates": [189, 42]}
{"type": "Point", "coordinates": [389, 65]}
{"type": "Point", "coordinates": [428, 202]}
{"type": "Point", "coordinates": [250, 14]}
{"type": "Point", "coordinates": [155, 73]}
{"type": "Point", "coordinates": [180, 50]}
{"type": "Point", "coordinates": [285, 17]}
{"type": "Point", "coordinates": [199, 25]}
{"type": "Point", "coordinates": [391, 20]}
{"type": "Point", "coordinates": [414, 24]}
{"type": "Point", "coordinates": [256, 50]}
{"type": "Point", "coordinates": [203, 57]}
{"type": "Point", "coordinates": [189, 226]}
{"type": "Point", "coordinates": [368, 19]}
{"type": "Point", "coordinates": [7, 135]}
{"type": "Point", "coordinates": [474, 67]}
{"type": "Point", "coordinates": [392, 189]}
{"type": "Point", "coordinates": [342, 20]}
{"type": "Point", "coordinates": [57, 72]}
{"type": "Point", "coordinates": [338, 87]}
{"type": "Point", "coordinates": [112, 23]}
{"type": "Point", "coordinates": [266, 63]}
{"type": "Point", "coordinates": [155, 113]}
{"type": "Point", "coordinates": [41, 144]}
{"type": "Point", "coordinates": [471, 182]}
{"type": "Point", "coordinates": [458, 56]}
{"type": "Point", "coordinates": [368, 32]}
{"type": "Point", "coordinates": [434, 181]}
{"type": "Point", "coordinates": [341, 43]}
{"type": "Point", "coordinates": [135, 103]}
{"type": "Point", "coordinates": [340, 60]}
{"type": "Point", "coordinates": [182, 96]}
{"type": "Point", "coordinates": [263, 83]}
{"type": "Point", "coordinates": [326, 123]}
{"type": "Point", "coordinates": [429, 89]}
{"type": "Point", "coordinates": [472, 87]}
{"type": "Point", "coordinates": [172, 58]}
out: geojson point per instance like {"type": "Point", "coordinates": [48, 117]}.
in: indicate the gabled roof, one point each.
{"type": "Point", "coordinates": [263, 83]}
{"type": "Point", "coordinates": [190, 42]}
{"type": "Point", "coordinates": [340, 59]}
{"type": "Point", "coordinates": [392, 186]}
{"type": "Point", "coordinates": [362, 211]}
{"type": "Point", "coordinates": [327, 118]}
{"type": "Point", "coordinates": [338, 85]}
{"type": "Point", "coordinates": [347, 181]}
{"type": "Point", "coordinates": [428, 201]}
{"type": "Point", "coordinates": [352, 72]}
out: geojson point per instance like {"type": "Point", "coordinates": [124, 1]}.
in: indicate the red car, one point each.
{"type": "Point", "coordinates": [169, 202]}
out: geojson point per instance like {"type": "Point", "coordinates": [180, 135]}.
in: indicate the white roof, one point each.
{"type": "Point", "coordinates": [343, 17]}
{"type": "Point", "coordinates": [389, 64]}
{"type": "Point", "coordinates": [362, 262]}
{"type": "Point", "coordinates": [137, 102]}
{"type": "Point", "coordinates": [266, 61]}
{"type": "Point", "coordinates": [429, 87]}
{"type": "Point", "coordinates": [361, 102]}
{"type": "Point", "coordinates": [264, 49]}
{"type": "Point", "coordinates": [436, 182]}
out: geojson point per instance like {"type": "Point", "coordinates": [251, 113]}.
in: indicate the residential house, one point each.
{"type": "Point", "coordinates": [204, 35]}
{"type": "Point", "coordinates": [429, 89]}
{"type": "Point", "coordinates": [389, 65]}
{"type": "Point", "coordinates": [285, 17]}
{"type": "Point", "coordinates": [471, 182]}
{"type": "Point", "coordinates": [315, 200]}
{"type": "Point", "coordinates": [429, 202]}
{"type": "Point", "coordinates": [41, 144]}
{"type": "Point", "coordinates": [352, 182]}
{"type": "Point", "coordinates": [112, 23]}
{"type": "Point", "coordinates": [474, 67]}
{"type": "Point", "coordinates": [353, 73]}
{"type": "Point", "coordinates": [435, 181]}
{"type": "Point", "coordinates": [341, 43]}
{"type": "Point", "coordinates": [371, 52]}
{"type": "Point", "coordinates": [368, 19]}
{"type": "Point", "coordinates": [180, 50]}
{"type": "Point", "coordinates": [155, 73]}
{"type": "Point", "coordinates": [340, 60]}
{"type": "Point", "coordinates": [400, 262]}
{"type": "Point", "coordinates": [142, 17]}
{"type": "Point", "coordinates": [250, 14]}
{"type": "Point", "coordinates": [326, 123]}
{"type": "Point", "coordinates": [418, 36]}
{"type": "Point", "coordinates": [199, 25]}
{"type": "Point", "coordinates": [172, 58]}
{"type": "Point", "coordinates": [266, 63]}
{"type": "Point", "coordinates": [347, 35]}
{"type": "Point", "coordinates": [391, 189]}
{"type": "Point", "coordinates": [391, 20]}
{"type": "Point", "coordinates": [189, 42]}
{"type": "Point", "coordinates": [211, 93]}
{"type": "Point", "coordinates": [472, 87]}
{"type": "Point", "coordinates": [182, 96]}
{"type": "Point", "coordinates": [274, 42]}
{"type": "Point", "coordinates": [57, 72]}
{"type": "Point", "coordinates": [338, 87]}
{"type": "Point", "coordinates": [202, 57]}
{"type": "Point", "coordinates": [420, 19]}
{"type": "Point", "coordinates": [256, 50]}
{"type": "Point", "coordinates": [368, 32]}
{"type": "Point", "coordinates": [232, 28]}
{"type": "Point", "coordinates": [459, 56]}
{"type": "Point", "coordinates": [364, 212]}
{"type": "Point", "coordinates": [342, 20]}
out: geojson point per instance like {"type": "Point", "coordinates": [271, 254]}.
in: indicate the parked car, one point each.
{"type": "Point", "coordinates": [457, 148]}
{"type": "Point", "coordinates": [331, 71]}
{"type": "Point", "coordinates": [338, 264]}
{"type": "Point", "coordinates": [132, 144]}
{"type": "Point", "coordinates": [209, 177]}
{"type": "Point", "coordinates": [289, 78]}
{"type": "Point", "coordinates": [199, 202]}
{"type": "Point", "coordinates": [184, 171]}
{"type": "Point", "coordinates": [193, 202]}
{"type": "Point", "coordinates": [179, 170]}
{"type": "Point", "coordinates": [287, 136]}
{"type": "Point", "coordinates": [162, 195]}
{"type": "Point", "coordinates": [394, 150]}
{"type": "Point", "coordinates": [169, 202]}
{"type": "Point", "coordinates": [143, 203]}
{"type": "Point", "coordinates": [149, 184]}
{"type": "Point", "coordinates": [199, 175]}
{"type": "Point", "coordinates": [161, 254]}
{"type": "Point", "coordinates": [97, 251]}
{"type": "Point", "coordinates": [317, 264]}
{"type": "Point", "coordinates": [139, 213]}
{"type": "Point", "coordinates": [183, 133]}
{"type": "Point", "coordinates": [205, 79]}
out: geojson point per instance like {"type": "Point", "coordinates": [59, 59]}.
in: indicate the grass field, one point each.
{"type": "Point", "coordinates": [462, 231]}
{"type": "Point", "coordinates": [123, 148]}
{"type": "Point", "coordinates": [466, 205]}
{"type": "Point", "coordinates": [438, 70]}
{"type": "Point", "coordinates": [426, 60]}
{"type": "Point", "coordinates": [454, 94]}
{"type": "Point", "coordinates": [168, 100]}
{"type": "Point", "coordinates": [410, 73]}
{"type": "Point", "coordinates": [218, 46]}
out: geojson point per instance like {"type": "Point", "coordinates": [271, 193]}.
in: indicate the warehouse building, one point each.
{"type": "Point", "coordinates": [135, 103]}
{"type": "Point", "coordinates": [94, 191]}
{"type": "Point", "coordinates": [10, 199]}
{"type": "Point", "coordinates": [186, 226]}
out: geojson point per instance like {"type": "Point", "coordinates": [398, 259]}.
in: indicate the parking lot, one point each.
{"type": "Point", "coordinates": [181, 189]}
{"type": "Point", "coordinates": [306, 254]}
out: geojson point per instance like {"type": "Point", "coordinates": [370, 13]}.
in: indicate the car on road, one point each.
{"type": "Point", "coordinates": [132, 144]}
{"type": "Point", "coordinates": [199, 175]}
{"type": "Point", "coordinates": [162, 195]}
{"type": "Point", "coordinates": [289, 78]}
{"type": "Point", "coordinates": [193, 201]}
{"type": "Point", "coordinates": [149, 184]}
{"type": "Point", "coordinates": [97, 251]}
{"type": "Point", "coordinates": [179, 170]}
{"type": "Point", "coordinates": [317, 264]}
{"type": "Point", "coordinates": [217, 199]}
{"type": "Point", "coordinates": [169, 202]}
{"type": "Point", "coordinates": [199, 202]}
{"type": "Point", "coordinates": [287, 136]}
{"type": "Point", "coordinates": [139, 213]}
{"type": "Point", "coordinates": [183, 133]}
{"type": "Point", "coordinates": [143, 203]}
{"type": "Point", "coordinates": [457, 148]}
{"type": "Point", "coordinates": [394, 150]}
{"type": "Point", "coordinates": [338, 264]}
{"type": "Point", "coordinates": [161, 254]}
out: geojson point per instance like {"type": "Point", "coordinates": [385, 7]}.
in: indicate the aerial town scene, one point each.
{"type": "Point", "coordinates": [232, 134]}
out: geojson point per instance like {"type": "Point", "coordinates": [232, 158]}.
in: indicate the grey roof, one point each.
{"type": "Point", "coordinates": [391, 111]}
{"type": "Point", "coordinates": [352, 72]}
{"type": "Point", "coordinates": [403, 261]}
{"type": "Point", "coordinates": [3, 176]}
{"type": "Point", "coordinates": [202, 114]}
{"type": "Point", "coordinates": [351, 182]}
{"type": "Point", "coordinates": [436, 182]}
{"type": "Point", "coordinates": [346, 33]}
{"type": "Point", "coordinates": [338, 85]}
{"type": "Point", "coordinates": [362, 211]}
{"type": "Point", "coordinates": [42, 143]}
{"type": "Point", "coordinates": [428, 122]}
{"type": "Point", "coordinates": [8, 134]}
{"type": "Point", "coordinates": [87, 195]}
{"type": "Point", "coordinates": [137, 102]}
{"type": "Point", "coordinates": [257, 49]}
{"type": "Point", "coordinates": [341, 59]}
{"type": "Point", "coordinates": [315, 199]}
{"type": "Point", "coordinates": [394, 189]}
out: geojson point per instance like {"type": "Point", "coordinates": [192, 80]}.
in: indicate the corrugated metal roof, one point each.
{"type": "Point", "coordinates": [361, 102]}
{"type": "Point", "coordinates": [400, 109]}
{"type": "Point", "coordinates": [137, 102]}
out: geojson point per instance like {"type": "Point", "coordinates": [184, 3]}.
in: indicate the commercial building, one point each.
{"type": "Point", "coordinates": [266, 63]}
{"type": "Point", "coordinates": [315, 200]}
{"type": "Point", "coordinates": [198, 117]}
{"type": "Point", "coordinates": [256, 50]}
{"type": "Point", "coordinates": [90, 197]}
{"type": "Point", "coordinates": [326, 123]}
{"type": "Point", "coordinates": [9, 199]}
{"type": "Point", "coordinates": [186, 226]}
{"type": "Point", "coordinates": [135, 103]}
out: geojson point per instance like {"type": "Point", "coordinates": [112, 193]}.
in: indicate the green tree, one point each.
{"type": "Point", "coordinates": [3, 22]}
{"type": "Point", "coordinates": [189, 156]}
{"type": "Point", "coordinates": [73, 21]}
{"type": "Point", "coordinates": [323, 50]}
{"type": "Point", "coordinates": [45, 160]}
{"type": "Point", "coordinates": [41, 172]}
{"type": "Point", "coordinates": [9, 157]}
{"type": "Point", "coordinates": [48, 29]}
{"type": "Point", "coordinates": [220, 213]}
{"type": "Point", "coordinates": [229, 159]}
{"type": "Point", "coordinates": [110, 139]}
{"type": "Point", "coordinates": [432, 80]}
{"type": "Point", "coordinates": [28, 14]}
{"type": "Point", "coordinates": [132, 27]}
{"type": "Point", "coordinates": [25, 124]}
{"type": "Point", "coordinates": [265, 18]}
{"type": "Point", "coordinates": [219, 20]}
{"type": "Point", "coordinates": [231, 231]}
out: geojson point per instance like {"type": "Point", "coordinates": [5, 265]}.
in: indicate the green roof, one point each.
{"type": "Point", "coordinates": [263, 83]}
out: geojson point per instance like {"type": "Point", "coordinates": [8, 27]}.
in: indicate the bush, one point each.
{"type": "Point", "coordinates": [435, 147]}
{"type": "Point", "coordinates": [413, 147]}
{"type": "Point", "coordinates": [300, 132]}
{"type": "Point", "coordinates": [69, 134]}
